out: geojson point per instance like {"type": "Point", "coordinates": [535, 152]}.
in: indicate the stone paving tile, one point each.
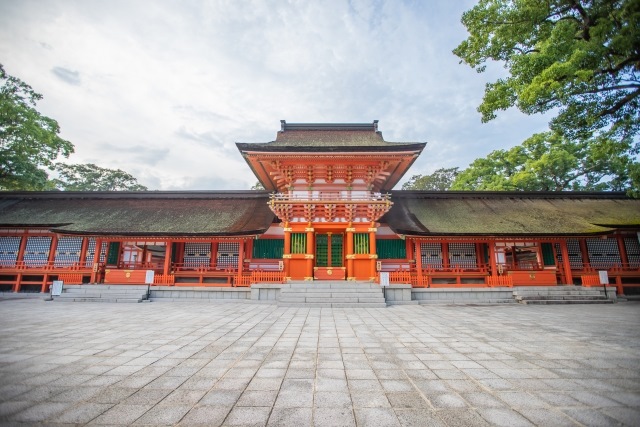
{"type": "Point", "coordinates": [376, 417]}
{"type": "Point", "coordinates": [289, 417]}
{"type": "Point", "coordinates": [332, 417]}
{"type": "Point", "coordinates": [244, 364]}
{"type": "Point", "coordinates": [418, 418]}
{"type": "Point", "coordinates": [121, 414]}
{"type": "Point", "coordinates": [82, 413]}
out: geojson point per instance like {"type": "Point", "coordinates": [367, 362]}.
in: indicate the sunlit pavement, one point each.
{"type": "Point", "coordinates": [252, 364]}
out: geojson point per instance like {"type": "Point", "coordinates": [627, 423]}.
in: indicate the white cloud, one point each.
{"type": "Point", "coordinates": [163, 89]}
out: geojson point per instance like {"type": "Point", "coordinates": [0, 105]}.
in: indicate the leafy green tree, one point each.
{"type": "Point", "coordinates": [89, 177]}
{"type": "Point", "coordinates": [577, 58]}
{"type": "Point", "coordinates": [440, 180]}
{"type": "Point", "coordinates": [550, 162]}
{"type": "Point", "coordinates": [29, 141]}
{"type": "Point", "coordinates": [257, 186]}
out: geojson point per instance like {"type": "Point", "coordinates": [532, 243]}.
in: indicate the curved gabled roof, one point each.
{"type": "Point", "coordinates": [510, 213]}
{"type": "Point", "coordinates": [139, 213]}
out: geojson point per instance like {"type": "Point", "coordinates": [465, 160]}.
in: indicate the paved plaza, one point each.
{"type": "Point", "coordinates": [241, 364]}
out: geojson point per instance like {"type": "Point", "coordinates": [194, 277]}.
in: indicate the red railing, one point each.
{"type": "Point", "coordinates": [43, 265]}
{"type": "Point", "coordinates": [500, 281]}
{"type": "Point", "coordinates": [202, 267]}
{"type": "Point", "coordinates": [259, 276]}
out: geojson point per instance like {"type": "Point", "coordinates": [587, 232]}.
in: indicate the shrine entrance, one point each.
{"type": "Point", "coordinates": [329, 256]}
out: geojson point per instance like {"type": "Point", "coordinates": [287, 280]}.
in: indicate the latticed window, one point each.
{"type": "Point", "coordinates": [431, 255]}
{"type": "Point", "coordinates": [391, 249]}
{"type": "Point", "coordinates": [575, 254]}
{"type": "Point", "coordinates": [68, 251]}
{"type": "Point", "coordinates": [603, 253]}
{"type": "Point", "coordinates": [228, 253]}
{"type": "Point", "coordinates": [197, 254]}
{"type": "Point", "coordinates": [462, 255]}
{"type": "Point", "coordinates": [36, 252]}
{"type": "Point", "coordinates": [268, 248]}
{"type": "Point", "coordinates": [298, 243]}
{"type": "Point", "coordinates": [361, 243]}
{"type": "Point", "coordinates": [9, 248]}
{"type": "Point", "coordinates": [91, 252]}
{"type": "Point", "coordinates": [632, 246]}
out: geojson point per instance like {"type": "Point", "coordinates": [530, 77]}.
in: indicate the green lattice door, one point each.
{"type": "Point", "coordinates": [329, 256]}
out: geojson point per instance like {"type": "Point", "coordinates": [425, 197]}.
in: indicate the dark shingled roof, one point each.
{"type": "Point", "coordinates": [301, 137]}
{"type": "Point", "coordinates": [510, 213]}
{"type": "Point", "coordinates": [139, 213]}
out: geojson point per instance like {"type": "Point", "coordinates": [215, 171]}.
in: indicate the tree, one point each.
{"type": "Point", "coordinates": [89, 177]}
{"type": "Point", "coordinates": [440, 180]}
{"type": "Point", "coordinates": [550, 162]}
{"type": "Point", "coordinates": [257, 186]}
{"type": "Point", "coordinates": [580, 58]}
{"type": "Point", "coordinates": [29, 141]}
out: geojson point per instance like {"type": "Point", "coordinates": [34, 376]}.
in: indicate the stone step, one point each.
{"type": "Point", "coordinates": [559, 293]}
{"type": "Point", "coordinates": [108, 287]}
{"type": "Point", "coordinates": [81, 299]}
{"type": "Point", "coordinates": [469, 301]}
{"type": "Point", "coordinates": [333, 305]}
{"type": "Point", "coordinates": [564, 301]}
{"type": "Point", "coordinates": [101, 296]}
{"type": "Point", "coordinates": [332, 295]}
{"type": "Point", "coordinates": [561, 297]}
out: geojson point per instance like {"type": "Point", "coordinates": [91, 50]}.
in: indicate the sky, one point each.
{"type": "Point", "coordinates": [164, 89]}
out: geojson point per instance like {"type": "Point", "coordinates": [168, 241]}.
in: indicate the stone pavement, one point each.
{"type": "Point", "coordinates": [252, 365]}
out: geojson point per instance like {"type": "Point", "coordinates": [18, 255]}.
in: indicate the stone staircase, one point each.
{"type": "Point", "coordinates": [563, 295]}
{"type": "Point", "coordinates": [103, 293]}
{"type": "Point", "coordinates": [339, 294]}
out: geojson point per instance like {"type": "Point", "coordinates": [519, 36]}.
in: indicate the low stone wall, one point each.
{"type": "Point", "coordinates": [462, 295]}
{"type": "Point", "coordinates": [398, 295]}
{"type": "Point", "coordinates": [198, 293]}
{"type": "Point", "coordinates": [267, 292]}
{"type": "Point", "coordinates": [258, 293]}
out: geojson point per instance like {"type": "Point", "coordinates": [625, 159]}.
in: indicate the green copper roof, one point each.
{"type": "Point", "coordinates": [515, 214]}
{"type": "Point", "coordinates": [329, 137]}
{"type": "Point", "coordinates": [139, 213]}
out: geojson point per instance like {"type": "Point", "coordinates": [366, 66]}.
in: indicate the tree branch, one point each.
{"type": "Point", "coordinates": [620, 104]}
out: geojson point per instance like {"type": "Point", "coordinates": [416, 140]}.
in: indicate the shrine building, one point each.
{"type": "Point", "coordinates": [328, 213]}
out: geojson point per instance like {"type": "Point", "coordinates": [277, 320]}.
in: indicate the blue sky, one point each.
{"type": "Point", "coordinates": [164, 89]}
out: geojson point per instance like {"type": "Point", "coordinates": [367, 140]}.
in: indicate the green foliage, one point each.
{"type": "Point", "coordinates": [551, 162]}
{"type": "Point", "coordinates": [89, 177]}
{"type": "Point", "coordinates": [257, 186]}
{"type": "Point", "coordinates": [440, 180]}
{"type": "Point", "coordinates": [579, 58]}
{"type": "Point", "coordinates": [28, 140]}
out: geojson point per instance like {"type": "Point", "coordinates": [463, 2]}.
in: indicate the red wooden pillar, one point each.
{"type": "Point", "coordinates": [373, 255]}
{"type": "Point", "coordinates": [350, 273]}
{"type": "Point", "coordinates": [167, 257]}
{"type": "Point", "coordinates": [310, 253]}
{"type": "Point", "coordinates": [213, 262]}
{"type": "Point", "coordinates": [623, 251]}
{"type": "Point", "coordinates": [82, 259]}
{"type": "Point", "coordinates": [286, 256]}
{"type": "Point", "coordinates": [492, 258]}
{"type": "Point", "coordinates": [20, 260]}
{"type": "Point", "coordinates": [565, 262]}
{"type": "Point", "coordinates": [240, 261]}
{"type": "Point", "coordinates": [444, 245]}
{"type": "Point", "coordinates": [584, 250]}
{"type": "Point", "coordinates": [22, 248]}
{"type": "Point", "coordinates": [50, 262]}
{"type": "Point", "coordinates": [418, 253]}
{"type": "Point", "coordinates": [96, 261]}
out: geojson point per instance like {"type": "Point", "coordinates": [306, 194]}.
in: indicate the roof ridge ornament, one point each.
{"type": "Point", "coordinates": [373, 126]}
